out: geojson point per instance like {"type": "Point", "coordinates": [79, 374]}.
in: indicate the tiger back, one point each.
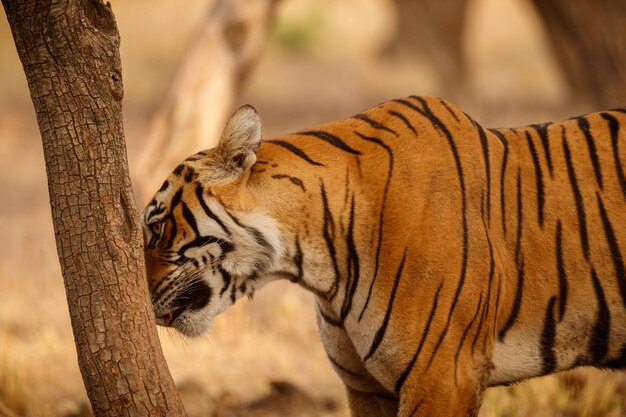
{"type": "Point", "coordinates": [444, 257]}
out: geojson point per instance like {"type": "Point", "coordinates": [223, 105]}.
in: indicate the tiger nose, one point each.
{"type": "Point", "coordinates": [166, 319]}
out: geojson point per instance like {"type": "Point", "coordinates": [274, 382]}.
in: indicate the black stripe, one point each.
{"type": "Point", "coordinates": [416, 408]}
{"type": "Point", "coordinates": [560, 267]}
{"type": "Point", "coordinates": [342, 368]}
{"type": "Point", "coordinates": [329, 320]}
{"type": "Point", "coordinates": [381, 395]}
{"type": "Point", "coordinates": [497, 308]}
{"type": "Point", "coordinates": [599, 342]}
{"type": "Point", "coordinates": [173, 230]}
{"type": "Point", "coordinates": [520, 218]}
{"type": "Point", "coordinates": [538, 178]}
{"type": "Point", "coordinates": [295, 150]}
{"type": "Point", "coordinates": [384, 396]}
{"type": "Point", "coordinates": [500, 136]}
{"type": "Point", "coordinates": [331, 139]}
{"type": "Point", "coordinates": [481, 322]}
{"type": "Point", "coordinates": [547, 339]}
{"type": "Point", "coordinates": [470, 119]}
{"type": "Point", "coordinates": [353, 267]}
{"type": "Point", "coordinates": [152, 242]}
{"type": "Point", "coordinates": [190, 219]}
{"type": "Point", "coordinates": [346, 188]}
{"type": "Point", "coordinates": [177, 171]}
{"type": "Point", "coordinates": [155, 212]}
{"type": "Point", "coordinates": [176, 200]}
{"type": "Point", "coordinates": [492, 265]}
{"type": "Point", "coordinates": [227, 279]}
{"type": "Point", "coordinates": [616, 255]}
{"type": "Point", "coordinates": [583, 124]}
{"type": "Point", "coordinates": [258, 236]}
{"type": "Point", "coordinates": [164, 186]}
{"type": "Point", "coordinates": [295, 181]}
{"type": "Point", "coordinates": [517, 303]}
{"type": "Point", "coordinates": [375, 124]}
{"type": "Point", "coordinates": [195, 156]}
{"type": "Point", "coordinates": [201, 241]}
{"type": "Point", "coordinates": [485, 147]}
{"type": "Point", "coordinates": [614, 126]}
{"type": "Point", "coordinates": [329, 235]}
{"type": "Point", "coordinates": [383, 327]}
{"type": "Point", "coordinates": [162, 288]}
{"type": "Point", "coordinates": [409, 367]}
{"type": "Point", "coordinates": [233, 294]}
{"type": "Point", "coordinates": [578, 199]}
{"type": "Point", "coordinates": [404, 120]}
{"type": "Point", "coordinates": [439, 125]}
{"type": "Point", "coordinates": [447, 106]}
{"type": "Point", "coordinates": [208, 211]}
{"type": "Point", "coordinates": [542, 132]}
{"type": "Point", "coordinates": [618, 362]}
{"type": "Point", "coordinates": [190, 175]}
{"type": "Point", "coordinates": [381, 215]}
{"type": "Point", "coordinates": [298, 259]}
{"type": "Point", "coordinates": [464, 335]}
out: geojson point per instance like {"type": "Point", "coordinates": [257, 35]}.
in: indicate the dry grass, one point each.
{"type": "Point", "coordinates": [262, 358]}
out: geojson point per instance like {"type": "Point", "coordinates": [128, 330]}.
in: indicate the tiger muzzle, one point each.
{"type": "Point", "coordinates": [194, 297]}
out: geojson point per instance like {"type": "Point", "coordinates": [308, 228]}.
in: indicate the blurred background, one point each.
{"type": "Point", "coordinates": [505, 62]}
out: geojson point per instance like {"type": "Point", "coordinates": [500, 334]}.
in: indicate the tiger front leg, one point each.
{"type": "Point", "coordinates": [369, 405]}
{"type": "Point", "coordinates": [442, 392]}
{"type": "Point", "coordinates": [439, 398]}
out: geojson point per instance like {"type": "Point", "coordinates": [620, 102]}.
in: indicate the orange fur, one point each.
{"type": "Point", "coordinates": [445, 257]}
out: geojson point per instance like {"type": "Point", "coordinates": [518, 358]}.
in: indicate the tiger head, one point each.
{"type": "Point", "coordinates": [206, 244]}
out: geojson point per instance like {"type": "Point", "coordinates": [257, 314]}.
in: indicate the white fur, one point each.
{"type": "Point", "coordinates": [517, 358]}
{"type": "Point", "coordinates": [240, 264]}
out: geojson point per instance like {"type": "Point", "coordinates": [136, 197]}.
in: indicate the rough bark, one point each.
{"type": "Point", "coordinates": [204, 89]}
{"type": "Point", "coordinates": [69, 51]}
{"type": "Point", "coordinates": [589, 38]}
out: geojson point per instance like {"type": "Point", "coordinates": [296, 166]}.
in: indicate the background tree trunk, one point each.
{"type": "Point", "coordinates": [433, 29]}
{"type": "Point", "coordinates": [69, 51]}
{"type": "Point", "coordinates": [205, 87]}
{"type": "Point", "coordinates": [589, 38]}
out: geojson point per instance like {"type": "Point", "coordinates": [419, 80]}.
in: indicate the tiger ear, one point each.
{"type": "Point", "coordinates": [241, 138]}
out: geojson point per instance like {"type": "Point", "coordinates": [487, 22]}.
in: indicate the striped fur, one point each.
{"type": "Point", "coordinates": [445, 257]}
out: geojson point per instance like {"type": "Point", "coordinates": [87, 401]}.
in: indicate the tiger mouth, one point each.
{"type": "Point", "coordinates": [195, 297]}
{"type": "Point", "coordinates": [169, 318]}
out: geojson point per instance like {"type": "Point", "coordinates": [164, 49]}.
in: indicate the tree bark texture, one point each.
{"type": "Point", "coordinates": [70, 53]}
{"type": "Point", "coordinates": [433, 29]}
{"type": "Point", "coordinates": [205, 87]}
{"type": "Point", "coordinates": [589, 38]}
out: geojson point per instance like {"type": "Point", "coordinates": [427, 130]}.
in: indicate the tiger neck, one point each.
{"type": "Point", "coordinates": [314, 213]}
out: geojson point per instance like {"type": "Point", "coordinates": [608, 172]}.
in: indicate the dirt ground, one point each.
{"type": "Point", "coordinates": [321, 64]}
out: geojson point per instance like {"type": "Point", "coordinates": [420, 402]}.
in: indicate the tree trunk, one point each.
{"type": "Point", "coordinates": [433, 29]}
{"type": "Point", "coordinates": [589, 38]}
{"type": "Point", "coordinates": [203, 92]}
{"type": "Point", "coordinates": [69, 50]}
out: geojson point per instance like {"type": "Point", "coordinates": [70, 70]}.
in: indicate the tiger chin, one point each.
{"type": "Point", "coordinates": [444, 257]}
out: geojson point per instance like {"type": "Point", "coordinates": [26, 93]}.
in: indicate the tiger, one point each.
{"type": "Point", "coordinates": [444, 257]}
